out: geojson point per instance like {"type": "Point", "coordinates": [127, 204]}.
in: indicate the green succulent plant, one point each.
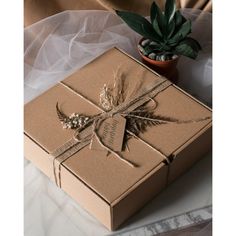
{"type": "Point", "coordinates": [169, 30]}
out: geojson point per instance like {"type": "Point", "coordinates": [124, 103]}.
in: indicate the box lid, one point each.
{"type": "Point", "coordinates": [107, 175]}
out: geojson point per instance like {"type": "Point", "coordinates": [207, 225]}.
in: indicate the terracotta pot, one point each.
{"type": "Point", "coordinates": [165, 68]}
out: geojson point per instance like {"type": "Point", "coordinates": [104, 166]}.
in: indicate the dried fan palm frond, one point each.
{"type": "Point", "coordinates": [137, 122]}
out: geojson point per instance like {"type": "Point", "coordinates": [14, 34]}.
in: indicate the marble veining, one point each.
{"type": "Point", "coordinates": [172, 223]}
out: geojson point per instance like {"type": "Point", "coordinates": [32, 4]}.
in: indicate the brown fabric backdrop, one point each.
{"type": "Point", "coordinates": [35, 10]}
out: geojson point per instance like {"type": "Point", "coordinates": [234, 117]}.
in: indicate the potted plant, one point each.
{"type": "Point", "coordinates": [165, 37]}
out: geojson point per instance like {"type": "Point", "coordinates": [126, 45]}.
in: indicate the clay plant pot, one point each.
{"type": "Point", "coordinates": [165, 68]}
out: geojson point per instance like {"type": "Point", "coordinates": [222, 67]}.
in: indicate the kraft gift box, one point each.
{"type": "Point", "coordinates": [107, 187]}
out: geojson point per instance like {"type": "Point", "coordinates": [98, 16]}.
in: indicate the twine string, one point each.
{"type": "Point", "coordinates": [83, 136]}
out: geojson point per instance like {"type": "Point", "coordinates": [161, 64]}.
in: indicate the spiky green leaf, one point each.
{"type": "Point", "coordinates": [153, 11]}
{"type": "Point", "coordinates": [151, 34]}
{"type": "Point", "coordinates": [171, 29]}
{"type": "Point", "coordinates": [188, 47]}
{"type": "Point", "coordinates": [194, 42]}
{"type": "Point", "coordinates": [139, 24]}
{"type": "Point", "coordinates": [157, 19]}
{"type": "Point", "coordinates": [156, 27]}
{"type": "Point", "coordinates": [152, 48]}
{"type": "Point", "coordinates": [157, 14]}
{"type": "Point", "coordinates": [184, 30]}
{"type": "Point", "coordinates": [170, 8]}
{"type": "Point", "coordinates": [179, 19]}
{"type": "Point", "coordinates": [165, 48]}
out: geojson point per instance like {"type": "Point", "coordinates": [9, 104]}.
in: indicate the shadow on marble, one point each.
{"type": "Point", "coordinates": [186, 188]}
{"type": "Point", "coordinates": [202, 229]}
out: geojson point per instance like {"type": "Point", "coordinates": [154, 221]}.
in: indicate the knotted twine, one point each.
{"type": "Point", "coordinates": [79, 141]}
{"type": "Point", "coordinates": [83, 137]}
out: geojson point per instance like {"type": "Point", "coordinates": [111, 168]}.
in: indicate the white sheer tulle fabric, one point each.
{"type": "Point", "coordinates": [54, 48]}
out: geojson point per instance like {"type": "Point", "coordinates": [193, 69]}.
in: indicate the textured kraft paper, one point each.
{"type": "Point", "coordinates": [104, 185]}
{"type": "Point", "coordinates": [112, 132]}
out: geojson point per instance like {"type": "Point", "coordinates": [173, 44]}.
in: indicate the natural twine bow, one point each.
{"type": "Point", "coordinates": [116, 99]}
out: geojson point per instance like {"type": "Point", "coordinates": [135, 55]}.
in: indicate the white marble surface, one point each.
{"type": "Point", "coordinates": [54, 48]}
{"type": "Point", "coordinates": [175, 223]}
{"type": "Point", "coordinates": [50, 211]}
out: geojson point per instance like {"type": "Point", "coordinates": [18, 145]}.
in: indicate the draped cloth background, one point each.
{"type": "Point", "coordinates": [57, 45]}
{"type": "Point", "coordinates": [35, 10]}
{"type": "Point", "coordinates": [60, 44]}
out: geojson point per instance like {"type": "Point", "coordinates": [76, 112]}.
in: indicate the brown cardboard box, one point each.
{"type": "Point", "coordinates": [108, 188]}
